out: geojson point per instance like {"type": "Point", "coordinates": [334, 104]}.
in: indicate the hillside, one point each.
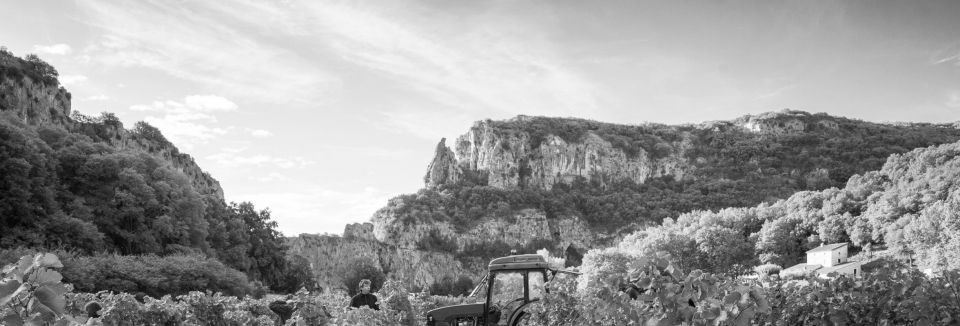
{"type": "Point", "coordinates": [619, 177]}
{"type": "Point", "coordinates": [571, 184]}
{"type": "Point", "coordinates": [88, 185]}
{"type": "Point", "coordinates": [910, 205]}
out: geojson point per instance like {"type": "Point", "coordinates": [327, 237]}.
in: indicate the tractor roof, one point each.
{"type": "Point", "coordinates": [518, 262]}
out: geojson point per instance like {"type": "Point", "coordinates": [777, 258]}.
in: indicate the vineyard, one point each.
{"type": "Point", "coordinates": [615, 288]}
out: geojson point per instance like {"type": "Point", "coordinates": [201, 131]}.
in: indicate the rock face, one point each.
{"type": "Point", "coordinates": [443, 169]}
{"type": "Point", "coordinates": [509, 159]}
{"type": "Point", "coordinates": [35, 103]}
{"type": "Point", "coordinates": [41, 104]}
{"type": "Point", "coordinates": [331, 258]}
{"type": "Point", "coordinates": [523, 228]}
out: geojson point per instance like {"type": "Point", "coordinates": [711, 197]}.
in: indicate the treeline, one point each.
{"type": "Point", "coordinates": [30, 66]}
{"type": "Point", "coordinates": [911, 205]}
{"type": "Point", "coordinates": [72, 189]}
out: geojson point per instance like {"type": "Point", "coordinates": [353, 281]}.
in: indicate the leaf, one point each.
{"type": "Point", "coordinates": [731, 299]}
{"type": "Point", "coordinates": [11, 320]}
{"type": "Point", "coordinates": [51, 298]}
{"type": "Point", "coordinates": [49, 276]}
{"type": "Point", "coordinates": [48, 260]}
{"type": "Point", "coordinates": [644, 283]}
{"type": "Point", "coordinates": [10, 289]}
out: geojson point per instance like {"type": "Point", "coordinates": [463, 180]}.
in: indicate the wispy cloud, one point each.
{"type": "Point", "coordinates": [953, 99]}
{"type": "Point", "coordinates": [947, 55]}
{"type": "Point", "coordinates": [57, 49]}
{"type": "Point", "coordinates": [270, 177]}
{"type": "Point", "coordinates": [211, 43]}
{"type": "Point", "coordinates": [236, 158]}
{"type": "Point", "coordinates": [491, 65]}
{"type": "Point", "coordinates": [189, 122]}
{"type": "Point", "coordinates": [259, 133]}
{"type": "Point", "coordinates": [98, 97]}
{"type": "Point", "coordinates": [72, 79]}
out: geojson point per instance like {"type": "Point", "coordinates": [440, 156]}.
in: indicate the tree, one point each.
{"type": "Point", "coordinates": [363, 268]}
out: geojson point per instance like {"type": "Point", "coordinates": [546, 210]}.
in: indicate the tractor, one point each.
{"type": "Point", "coordinates": [512, 285]}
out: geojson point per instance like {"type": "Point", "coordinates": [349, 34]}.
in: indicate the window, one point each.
{"type": "Point", "coordinates": [536, 285]}
{"type": "Point", "coordinates": [507, 294]}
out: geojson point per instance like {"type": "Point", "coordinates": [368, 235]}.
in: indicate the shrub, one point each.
{"type": "Point", "coordinates": [155, 275]}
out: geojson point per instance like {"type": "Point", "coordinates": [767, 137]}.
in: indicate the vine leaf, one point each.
{"type": "Point", "coordinates": [9, 289]}
{"type": "Point", "coordinates": [51, 298]}
{"type": "Point", "coordinates": [12, 320]}
{"type": "Point", "coordinates": [47, 260]}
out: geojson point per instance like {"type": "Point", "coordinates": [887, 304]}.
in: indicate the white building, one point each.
{"type": "Point", "coordinates": [826, 259]}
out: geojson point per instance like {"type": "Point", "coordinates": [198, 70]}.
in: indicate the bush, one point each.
{"type": "Point", "coordinates": [154, 275]}
{"type": "Point", "coordinates": [363, 268]}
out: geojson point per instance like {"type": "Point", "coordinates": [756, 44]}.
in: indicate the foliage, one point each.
{"type": "Point", "coordinates": [31, 292]}
{"type": "Point", "coordinates": [154, 275]}
{"type": "Point", "coordinates": [72, 189]}
{"type": "Point", "coordinates": [620, 288]}
{"type": "Point", "coordinates": [30, 66]}
{"type": "Point", "coordinates": [363, 268]}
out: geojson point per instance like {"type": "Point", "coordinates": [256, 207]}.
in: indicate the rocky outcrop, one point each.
{"type": "Point", "coordinates": [332, 257]}
{"type": "Point", "coordinates": [521, 229]}
{"type": "Point", "coordinates": [443, 169]}
{"type": "Point", "coordinates": [36, 103]}
{"type": "Point", "coordinates": [510, 160]}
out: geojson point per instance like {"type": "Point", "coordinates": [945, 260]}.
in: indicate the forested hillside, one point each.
{"type": "Point", "coordinates": [911, 205]}
{"type": "Point", "coordinates": [87, 185]}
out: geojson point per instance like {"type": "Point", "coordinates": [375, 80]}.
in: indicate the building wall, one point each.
{"type": "Point", "coordinates": [828, 258]}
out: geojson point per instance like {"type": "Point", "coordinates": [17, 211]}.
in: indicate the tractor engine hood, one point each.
{"type": "Point", "coordinates": [460, 310]}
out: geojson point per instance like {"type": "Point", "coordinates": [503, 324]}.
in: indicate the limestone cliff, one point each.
{"type": "Point", "coordinates": [443, 169]}
{"type": "Point", "coordinates": [522, 228]}
{"type": "Point", "coordinates": [514, 159]}
{"type": "Point", "coordinates": [35, 102]}
{"type": "Point", "coordinates": [331, 256]}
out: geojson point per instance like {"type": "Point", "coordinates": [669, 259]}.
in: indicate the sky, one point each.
{"type": "Point", "coordinates": [321, 111]}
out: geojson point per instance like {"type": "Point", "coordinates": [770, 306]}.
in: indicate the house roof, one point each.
{"type": "Point", "coordinates": [838, 268]}
{"type": "Point", "coordinates": [827, 247]}
{"type": "Point", "coordinates": [801, 268]}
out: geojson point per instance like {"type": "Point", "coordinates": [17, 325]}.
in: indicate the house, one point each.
{"type": "Point", "coordinates": [826, 259]}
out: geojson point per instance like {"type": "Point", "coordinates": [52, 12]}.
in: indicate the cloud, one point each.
{"type": "Point", "coordinates": [318, 210]}
{"type": "Point", "coordinates": [189, 122]}
{"type": "Point", "coordinates": [58, 49]}
{"type": "Point", "coordinates": [259, 133]}
{"type": "Point", "coordinates": [209, 103]}
{"type": "Point", "coordinates": [947, 55]}
{"type": "Point", "coordinates": [236, 48]}
{"type": "Point", "coordinates": [491, 65]}
{"type": "Point", "coordinates": [99, 97]}
{"type": "Point", "coordinates": [233, 159]}
{"type": "Point", "coordinates": [72, 79]}
{"type": "Point", "coordinates": [270, 177]}
{"type": "Point", "coordinates": [953, 99]}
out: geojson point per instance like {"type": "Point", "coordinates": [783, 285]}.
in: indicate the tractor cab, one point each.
{"type": "Point", "coordinates": [511, 285]}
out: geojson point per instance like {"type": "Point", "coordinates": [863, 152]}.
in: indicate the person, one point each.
{"type": "Point", "coordinates": [364, 298]}
{"type": "Point", "coordinates": [93, 313]}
